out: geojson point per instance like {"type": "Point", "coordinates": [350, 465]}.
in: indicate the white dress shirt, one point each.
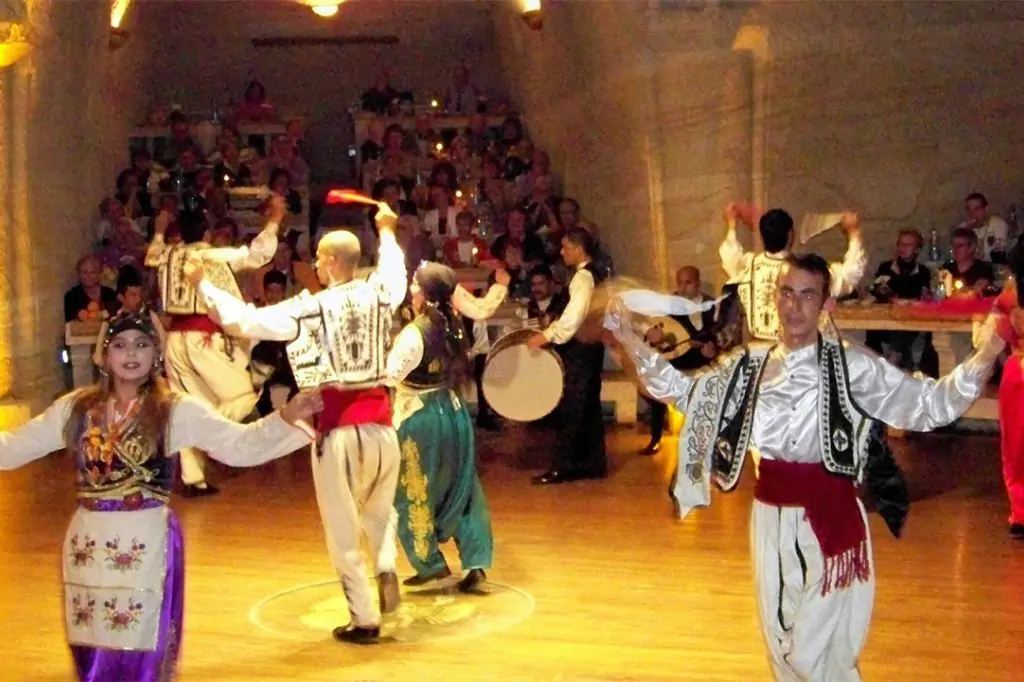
{"type": "Point", "coordinates": [581, 290]}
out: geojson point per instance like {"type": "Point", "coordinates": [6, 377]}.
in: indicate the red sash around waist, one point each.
{"type": "Point", "coordinates": [354, 408]}
{"type": "Point", "coordinates": [830, 507]}
{"type": "Point", "coordinates": [194, 323]}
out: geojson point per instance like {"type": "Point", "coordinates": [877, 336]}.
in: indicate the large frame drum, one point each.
{"type": "Point", "coordinates": [520, 384]}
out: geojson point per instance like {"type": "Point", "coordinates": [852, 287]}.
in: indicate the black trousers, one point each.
{"type": "Point", "coordinates": [580, 438]}
{"type": "Point", "coordinates": [483, 408]}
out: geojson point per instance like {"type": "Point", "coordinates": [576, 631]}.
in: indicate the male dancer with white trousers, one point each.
{"type": "Point", "coordinates": [338, 340]}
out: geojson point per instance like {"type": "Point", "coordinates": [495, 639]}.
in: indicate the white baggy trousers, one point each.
{"type": "Point", "coordinates": [355, 476]}
{"type": "Point", "coordinates": [810, 637]}
{"type": "Point", "coordinates": [197, 363]}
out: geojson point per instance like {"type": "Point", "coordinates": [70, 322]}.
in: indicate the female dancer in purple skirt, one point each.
{"type": "Point", "coordinates": [124, 565]}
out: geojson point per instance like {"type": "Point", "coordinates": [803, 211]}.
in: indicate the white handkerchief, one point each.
{"type": "Point", "coordinates": [814, 224]}
{"type": "Point", "coordinates": [652, 304]}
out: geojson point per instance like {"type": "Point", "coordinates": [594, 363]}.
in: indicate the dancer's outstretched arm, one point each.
{"type": "Point", "coordinates": [196, 424]}
{"type": "Point", "coordinates": [37, 438]}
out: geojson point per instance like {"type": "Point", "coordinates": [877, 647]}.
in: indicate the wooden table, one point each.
{"type": "Point", "coordinates": [951, 338]}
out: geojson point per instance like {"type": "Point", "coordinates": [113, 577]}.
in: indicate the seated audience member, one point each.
{"type": "Point", "coordinates": [531, 248]}
{"type": "Point", "coordinates": [131, 297]}
{"type": "Point", "coordinates": [224, 233]}
{"type": "Point", "coordinates": [972, 274]}
{"type": "Point", "coordinates": [903, 278]}
{"type": "Point", "coordinates": [125, 247]}
{"type": "Point", "coordinates": [992, 231]}
{"type": "Point", "coordinates": [381, 98]}
{"type": "Point", "coordinates": [269, 361]}
{"type": "Point", "coordinates": [519, 283]}
{"type": "Point", "coordinates": [545, 304]}
{"type": "Point", "coordinates": [255, 106]}
{"type": "Point", "coordinates": [298, 276]}
{"type": "Point", "coordinates": [89, 300]}
{"type": "Point", "coordinates": [439, 219]}
{"type": "Point", "coordinates": [465, 250]}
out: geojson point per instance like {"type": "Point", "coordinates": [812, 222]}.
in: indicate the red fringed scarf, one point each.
{"type": "Point", "coordinates": [830, 506]}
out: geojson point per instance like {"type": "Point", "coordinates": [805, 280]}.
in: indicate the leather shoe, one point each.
{"type": "Point", "coordinates": [202, 490]}
{"type": "Point", "coordinates": [1017, 530]}
{"type": "Point", "coordinates": [419, 580]}
{"type": "Point", "coordinates": [556, 476]}
{"type": "Point", "coordinates": [388, 592]}
{"type": "Point", "coordinates": [353, 634]}
{"type": "Point", "coordinates": [652, 448]}
{"type": "Point", "coordinates": [473, 580]}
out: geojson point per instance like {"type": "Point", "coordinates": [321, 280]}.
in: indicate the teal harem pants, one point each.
{"type": "Point", "coordinates": [439, 494]}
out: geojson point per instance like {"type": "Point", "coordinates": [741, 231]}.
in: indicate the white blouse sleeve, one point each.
{"type": "Point", "coordinates": [38, 438]}
{"type": "Point", "coordinates": [468, 305]}
{"type": "Point", "coordinates": [391, 272]}
{"type": "Point", "coordinates": [406, 354]}
{"type": "Point", "coordinates": [196, 424]}
{"type": "Point", "coordinates": [251, 257]}
{"type": "Point", "coordinates": [916, 403]}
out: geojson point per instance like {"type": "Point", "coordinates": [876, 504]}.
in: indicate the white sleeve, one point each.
{"type": "Point", "coordinates": [581, 289]}
{"type": "Point", "coordinates": [406, 354]}
{"type": "Point", "coordinates": [920, 404]}
{"type": "Point", "coordinates": [847, 274]}
{"type": "Point", "coordinates": [251, 257]}
{"type": "Point", "coordinates": [156, 252]}
{"type": "Point", "coordinates": [38, 438]}
{"type": "Point", "coordinates": [238, 318]}
{"type": "Point", "coordinates": [391, 272]}
{"type": "Point", "coordinates": [734, 259]}
{"type": "Point", "coordinates": [468, 305]}
{"type": "Point", "coordinates": [195, 424]}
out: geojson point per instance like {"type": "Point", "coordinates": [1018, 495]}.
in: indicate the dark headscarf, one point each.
{"type": "Point", "coordinates": [438, 282]}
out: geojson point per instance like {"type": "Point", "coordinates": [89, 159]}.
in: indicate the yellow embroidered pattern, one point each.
{"type": "Point", "coordinates": [414, 483]}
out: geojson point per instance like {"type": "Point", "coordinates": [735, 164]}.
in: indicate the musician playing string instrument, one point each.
{"type": "Point", "coordinates": [697, 349]}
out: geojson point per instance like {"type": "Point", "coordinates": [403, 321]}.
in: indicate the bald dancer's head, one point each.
{"type": "Point", "coordinates": [337, 257]}
{"type": "Point", "coordinates": [688, 282]}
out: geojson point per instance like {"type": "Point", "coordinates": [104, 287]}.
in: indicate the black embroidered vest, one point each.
{"type": "Point", "coordinates": [433, 370]}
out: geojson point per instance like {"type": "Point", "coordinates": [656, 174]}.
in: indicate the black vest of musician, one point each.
{"type": "Point", "coordinates": [708, 333]}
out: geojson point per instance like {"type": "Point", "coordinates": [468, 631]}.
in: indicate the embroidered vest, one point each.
{"type": "Point", "coordinates": [720, 417]}
{"type": "Point", "coordinates": [347, 341]}
{"type": "Point", "coordinates": [176, 292]}
{"type": "Point", "coordinates": [432, 372]}
{"type": "Point", "coordinates": [758, 297]}
{"type": "Point", "coordinates": [134, 465]}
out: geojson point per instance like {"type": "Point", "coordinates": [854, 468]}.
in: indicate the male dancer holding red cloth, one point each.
{"type": "Point", "coordinates": [803, 407]}
{"type": "Point", "coordinates": [338, 340]}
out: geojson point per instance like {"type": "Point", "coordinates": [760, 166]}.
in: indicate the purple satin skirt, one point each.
{"type": "Point", "coordinates": [106, 665]}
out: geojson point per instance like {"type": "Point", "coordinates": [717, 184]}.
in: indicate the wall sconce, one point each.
{"type": "Point", "coordinates": [533, 15]}
{"type": "Point", "coordinates": [324, 8]}
{"type": "Point", "coordinates": [13, 45]}
{"type": "Point", "coordinates": [118, 36]}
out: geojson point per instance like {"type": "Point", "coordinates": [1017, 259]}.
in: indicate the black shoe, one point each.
{"type": "Point", "coordinates": [556, 476]}
{"type": "Point", "coordinates": [201, 490]}
{"type": "Point", "coordinates": [420, 580]}
{"type": "Point", "coordinates": [652, 448]}
{"type": "Point", "coordinates": [473, 580]}
{"type": "Point", "coordinates": [1017, 530]}
{"type": "Point", "coordinates": [353, 634]}
{"type": "Point", "coordinates": [488, 424]}
{"type": "Point", "coordinates": [388, 592]}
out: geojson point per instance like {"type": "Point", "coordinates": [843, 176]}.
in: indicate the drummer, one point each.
{"type": "Point", "coordinates": [580, 451]}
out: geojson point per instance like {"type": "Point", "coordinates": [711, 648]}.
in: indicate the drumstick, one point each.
{"type": "Point", "coordinates": [348, 196]}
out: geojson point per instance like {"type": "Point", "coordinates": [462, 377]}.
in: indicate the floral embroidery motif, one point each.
{"type": "Point", "coordinates": [102, 436]}
{"type": "Point", "coordinates": [414, 485]}
{"type": "Point", "coordinates": [82, 610]}
{"type": "Point", "coordinates": [124, 561]}
{"type": "Point", "coordinates": [119, 621]}
{"type": "Point", "coordinates": [82, 555]}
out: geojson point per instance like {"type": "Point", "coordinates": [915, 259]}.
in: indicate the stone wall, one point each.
{"type": "Point", "coordinates": [64, 113]}
{"type": "Point", "coordinates": [659, 113]}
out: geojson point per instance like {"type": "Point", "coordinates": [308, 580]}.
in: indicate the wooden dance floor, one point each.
{"type": "Point", "coordinates": [593, 581]}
